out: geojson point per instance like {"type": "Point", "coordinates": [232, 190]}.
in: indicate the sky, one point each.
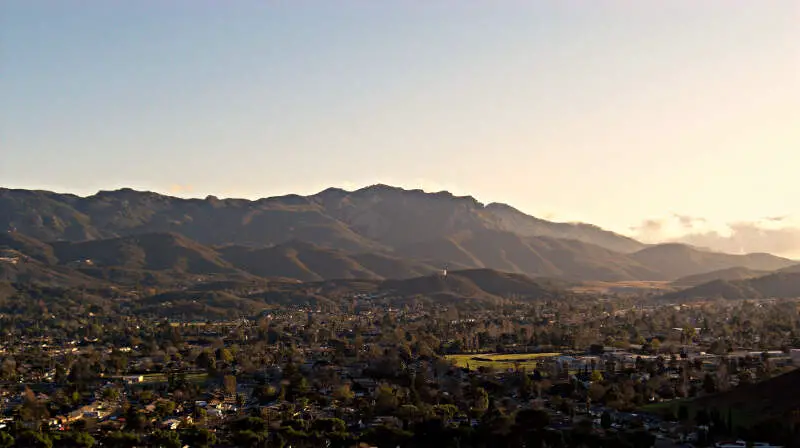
{"type": "Point", "coordinates": [663, 120]}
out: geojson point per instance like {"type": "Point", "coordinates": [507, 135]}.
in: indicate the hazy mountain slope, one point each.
{"type": "Point", "coordinates": [512, 220]}
{"type": "Point", "coordinates": [364, 220]}
{"type": "Point", "coordinates": [392, 267]}
{"type": "Point", "coordinates": [398, 217]}
{"type": "Point", "coordinates": [780, 285]}
{"type": "Point", "coordinates": [296, 259]}
{"type": "Point", "coordinates": [473, 283]}
{"type": "Point", "coordinates": [32, 271]}
{"type": "Point", "coordinates": [374, 232]}
{"type": "Point", "coordinates": [776, 285]}
{"type": "Point", "coordinates": [716, 289]}
{"type": "Point", "coordinates": [193, 304]}
{"type": "Point", "coordinates": [503, 284]}
{"type": "Point", "coordinates": [28, 246]}
{"type": "Point", "coordinates": [679, 260]}
{"type": "Point", "coordinates": [735, 273]}
{"type": "Point", "coordinates": [795, 268]}
{"type": "Point", "coordinates": [534, 256]}
{"type": "Point", "coordinates": [308, 262]}
{"type": "Point", "coordinates": [579, 260]}
{"type": "Point", "coordinates": [44, 215]}
{"type": "Point", "coordinates": [153, 251]}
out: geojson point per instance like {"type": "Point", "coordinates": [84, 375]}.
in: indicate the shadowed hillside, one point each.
{"type": "Point", "coordinates": [155, 251]}
{"type": "Point", "coordinates": [473, 283]}
{"type": "Point", "coordinates": [735, 273]}
{"type": "Point", "coordinates": [777, 285]}
{"type": "Point", "coordinates": [679, 260]}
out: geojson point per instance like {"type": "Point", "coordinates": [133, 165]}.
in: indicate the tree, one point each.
{"type": "Point", "coordinates": [385, 400]}
{"type": "Point", "coordinates": [605, 420]}
{"type": "Point", "coordinates": [122, 440]}
{"type": "Point", "coordinates": [6, 441]}
{"type": "Point", "coordinates": [166, 439]}
{"type": "Point", "coordinates": [32, 409]}
{"type": "Point", "coordinates": [529, 427]}
{"type": "Point", "coordinates": [199, 437]}
{"type": "Point", "coordinates": [32, 439]}
{"type": "Point", "coordinates": [224, 355]}
{"type": "Point", "coordinates": [343, 393]}
{"type": "Point", "coordinates": [481, 400]}
{"type": "Point", "coordinates": [709, 384]}
{"type": "Point", "coordinates": [111, 393]}
{"type": "Point", "coordinates": [683, 413]}
{"type": "Point", "coordinates": [702, 418]}
{"type": "Point", "coordinates": [248, 438]}
{"type": "Point", "coordinates": [206, 361]}
{"type": "Point", "coordinates": [165, 408]}
{"type": "Point", "coordinates": [76, 440]}
{"type": "Point", "coordinates": [329, 425]}
{"type": "Point", "coordinates": [229, 383]}
{"type": "Point", "coordinates": [655, 344]}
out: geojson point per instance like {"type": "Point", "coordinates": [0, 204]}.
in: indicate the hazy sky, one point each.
{"type": "Point", "coordinates": [645, 117]}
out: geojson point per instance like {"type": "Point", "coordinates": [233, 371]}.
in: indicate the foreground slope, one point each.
{"type": "Point", "coordinates": [773, 398]}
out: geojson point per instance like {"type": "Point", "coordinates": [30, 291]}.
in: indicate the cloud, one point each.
{"type": "Point", "coordinates": [776, 235]}
{"type": "Point", "coordinates": [180, 188]}
{"type": "Point", "coordinates": [747, 237]}
{"type": "Point", "coordinates": [650, 229]}
{"type": "Point", "coordinates": [689, 222]}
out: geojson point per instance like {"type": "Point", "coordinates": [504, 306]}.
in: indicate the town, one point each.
{"type": "Point", "coordinates": [386, 372]}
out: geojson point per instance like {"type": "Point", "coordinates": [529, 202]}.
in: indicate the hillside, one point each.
{"type": "Point", "coordinates": [675, 261]}
{"type": "Point", "coordinates": [154, 251]}
{"type": "Point", "coordinates": [773, 398]}
{"type": "Point", "coordinates": [308, 262]}
{"type": "Point", "coordinates": [534, 256]}
{"type": "Point", "coordinates": [473, 283]}
{"type": "Point", "coordinates": [776, 285]}
{"type": "Point", "coordinates": [795, 268]}
{"type": "Point", "coordinates": [735, 273]}
{"type": "Point", "coordinates": [512, 220]}
{"type": "Point", "coordinates": [28, 246]}
{"type": "Point", "coordinates": [364, 220]}
{"type": "Point", "coordinates": [32, 271]}
{"type": "Point", "coordinates": [375, 232]}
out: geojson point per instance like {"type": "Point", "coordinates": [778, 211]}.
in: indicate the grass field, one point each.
{"type": "Point", "coordinates": [162, 378]}
{"type": "Point", "coordinates": [500, 361]}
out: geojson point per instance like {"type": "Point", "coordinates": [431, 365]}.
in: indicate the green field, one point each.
{"type": "Point", "coordinates": [162, 377]}
{"type": "Point", "coordinates": [500, 361]}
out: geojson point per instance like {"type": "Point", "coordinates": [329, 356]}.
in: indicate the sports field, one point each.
{"type": "Point", "coordinates": [162, 378]}
{"type": "Point", "coordinates": [500, 361]}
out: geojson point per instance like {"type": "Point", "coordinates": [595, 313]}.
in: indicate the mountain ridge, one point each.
{"type": "Point", "coordinates": [376, 232]}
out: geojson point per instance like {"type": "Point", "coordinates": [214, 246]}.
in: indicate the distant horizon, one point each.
{"type": "Point", "coordinates": [185, 193]}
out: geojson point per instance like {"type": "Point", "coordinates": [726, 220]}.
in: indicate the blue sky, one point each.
{"type": "Point", "coordinates": [611, 112]}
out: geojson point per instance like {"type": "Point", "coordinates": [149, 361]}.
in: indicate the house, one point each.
{"type": "Point", "coordinates": [133, 379]}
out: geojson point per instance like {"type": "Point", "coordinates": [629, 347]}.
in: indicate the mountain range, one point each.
{"type": "Point", "coordinates": [377, 233]}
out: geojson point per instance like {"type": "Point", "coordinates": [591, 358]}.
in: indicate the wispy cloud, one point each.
{"type": "Point", "coordinates": [777, 235]}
